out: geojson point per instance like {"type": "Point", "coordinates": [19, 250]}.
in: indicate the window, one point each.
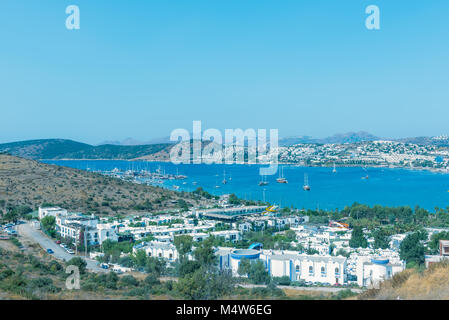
{"type": "Point", "coordinates": [171, 256]}
{"type": "Point", "coordinates": [297, 268]}
{"type": "Point", "coordinates": [311, 271]}
{"type": "Point", "coordinates": [323, 271]}
{"type": "Point", "coordinates": [337, 271]}
{"type": "Point", "coordinates": [160, 255]}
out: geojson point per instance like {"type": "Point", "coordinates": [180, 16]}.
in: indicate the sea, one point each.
{"type": "Point", "coordinates": [329, 190]}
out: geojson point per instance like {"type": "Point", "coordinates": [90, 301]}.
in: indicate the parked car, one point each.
{"type": "Point", "coordinates": [104, 266]}
{"type": "Point", "coordinates": [58, 241]}
{"type": "Point", "coordinates": [62, 245]}
{"type": "Point", "coordinates": [50, 251]}
{"type": "Point", "coordinates": [70, 251]}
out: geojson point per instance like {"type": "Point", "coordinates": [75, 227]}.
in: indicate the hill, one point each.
{"type": "Point", "coordinates": [411, 284]}
{"type": "Point", "coordinates": [68, 149]}
{"type": "Point", "coordinates": [30, 183]}
{"type": "Point", "coordinates": [426, 141]}
{"type": "Point", "coordinates": [350, 137]}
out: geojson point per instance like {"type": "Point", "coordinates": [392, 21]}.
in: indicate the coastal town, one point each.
{"type": "Point", "coordinates": [380, 153]}
{"type": "Point", "coordinates": [304, 254]}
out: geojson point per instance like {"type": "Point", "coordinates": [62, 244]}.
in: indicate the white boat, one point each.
{"type": "Point", "coordinates": [306, 185]}
{"type": "Point", "coordinates": [281, 178]}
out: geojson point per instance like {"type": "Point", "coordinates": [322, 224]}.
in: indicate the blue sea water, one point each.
{"type": "Point", "coordinates": [387, 187]}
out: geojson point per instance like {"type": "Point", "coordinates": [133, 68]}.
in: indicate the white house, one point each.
{"type": "Point", "coordinates": [228, 235]}
{"type": "Point", "coordinates": [51, 211]}
{"type": "Point", "coordinates": [372, 271]}
{"type": "Point", "coordinates": [310, 268]}
{"type": "Point", "coordinates": [158, 250]}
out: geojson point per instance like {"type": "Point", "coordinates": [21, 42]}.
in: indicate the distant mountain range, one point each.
{"type": "Point", "coordinates": [134, 142]}
{"type": "Point", "coordinates": [68, 149]}
{"type": "Point", "coordinates": [350, 137]}
{"type": "Point", "coordinates": [157, 149]}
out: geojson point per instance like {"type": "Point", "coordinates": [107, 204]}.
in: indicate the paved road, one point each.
{"type": "Point", "coordinates": [317, 289]}
{"type": "Point", "coordinates": [28, 231]}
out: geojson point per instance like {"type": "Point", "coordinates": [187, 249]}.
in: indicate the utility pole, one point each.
{"type": "Point", "coordinates": [85, 240]}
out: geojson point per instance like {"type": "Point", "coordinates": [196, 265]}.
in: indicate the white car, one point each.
{"type": "Point", "coordinates": [70, 251]}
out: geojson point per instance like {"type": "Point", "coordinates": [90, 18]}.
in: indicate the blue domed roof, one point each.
{"type": "Point", "coordinates": [245, 253]}
{"type": "Point", "coordinates": [381, 261]}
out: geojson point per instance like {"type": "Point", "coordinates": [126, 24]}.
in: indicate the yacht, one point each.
{"type": "Point", "coordinates": [281, 178]}
{"type": "Point", "coordinates": [306, 185]}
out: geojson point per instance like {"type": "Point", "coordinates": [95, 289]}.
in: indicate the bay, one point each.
{"type": "Point", "coordinates": [329, 191]}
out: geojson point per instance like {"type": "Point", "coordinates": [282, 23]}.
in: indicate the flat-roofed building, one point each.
{"type": "Point", "coordinates": [308, 268]}
{"type": "Point", "coordinates": [158, 250]}
{"type": "Point", "coordinates": [230, 214]}
{"type": "Point", "coordinates": [444, 248]}
{"type": "Point", "coordinates": [51, 211]}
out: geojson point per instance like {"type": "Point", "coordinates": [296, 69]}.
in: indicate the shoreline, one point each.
{"type": "Point", "coordinates": [433, 170]}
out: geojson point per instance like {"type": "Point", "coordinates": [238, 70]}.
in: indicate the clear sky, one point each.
{"type": "Point", "coordinates": [143, 68]}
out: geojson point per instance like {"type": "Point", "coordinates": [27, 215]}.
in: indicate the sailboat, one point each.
{"type": "Point", "coordinates": [264, 181]}
{"type": "Point", "coordinates": [335, 169]}
{"type": "Point", "coordinates": [224, 177]}
{"type": "Point", "coordinates": [281, 178]}
{"type": "Point", "coordinates": [306, 185]}
{"type": "Point", "coordinates": [367, 176]}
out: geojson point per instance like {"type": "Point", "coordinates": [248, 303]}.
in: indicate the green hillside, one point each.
{"type": "Point", "coordinates": [68, 149]}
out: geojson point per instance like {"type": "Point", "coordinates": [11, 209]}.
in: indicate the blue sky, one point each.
{"type": "Point", "coordinates": [143, 68]}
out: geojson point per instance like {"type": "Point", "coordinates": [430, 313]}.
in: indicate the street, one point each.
{"type": "Point", "coordinates": [26, 230]}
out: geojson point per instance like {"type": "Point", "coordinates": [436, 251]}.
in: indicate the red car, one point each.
{"type": "Point", "coordinates": [58, 242]}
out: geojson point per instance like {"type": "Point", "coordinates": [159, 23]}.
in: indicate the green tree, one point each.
{"type": "Point", "coordinates": [48, 223]}
{"type": "Point", "coordinates": [139, 258]}
{"type": "Point", "coordinates": [257, 273]}
{"type": "Point", "coordinates": [342, 252]}
{"type": "Point", "coordinates": [412, 250]}
{"type": "Point", "coordinates": [233, 199]}
{"type": "Point", "coordinates": [187, 267]}
{"type": "Point", "coordinates": [129, 281]}
{"type": "Point", "coordinates": [183, 245]}
{"type": "Point", "coordinates": [79, 262]}
{"type": "Point", "coordinates": [15, 213]}
{"type": "Point", "coordinates": [434, 243]}
{"type": "Point", "coordinates": [155, 266]}
{"type": "Point", "coordinates": [244, 267]}
{"type": "Point", "coordinates": [205, 254]}
{"type": "Point", "coordinates": [381, 239]}
{"type": "Point", "coordinates": [358, 240]}
{"type": "Point", "coordinates": [205, 284]}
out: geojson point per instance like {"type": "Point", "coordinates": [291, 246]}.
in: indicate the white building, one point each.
{"type": "Point", "coordinates": [309, 268]}
{"type": "Point", "coordinates": [372, 271]}
{"type": "Point", "coordinates": [74, 225]}
{"type": "Point", "coordinates": [53, 211]}
{"type": "Point", "coordinates": [158, 249]}
{"type": "Point", "coordinates": [228, 235]}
